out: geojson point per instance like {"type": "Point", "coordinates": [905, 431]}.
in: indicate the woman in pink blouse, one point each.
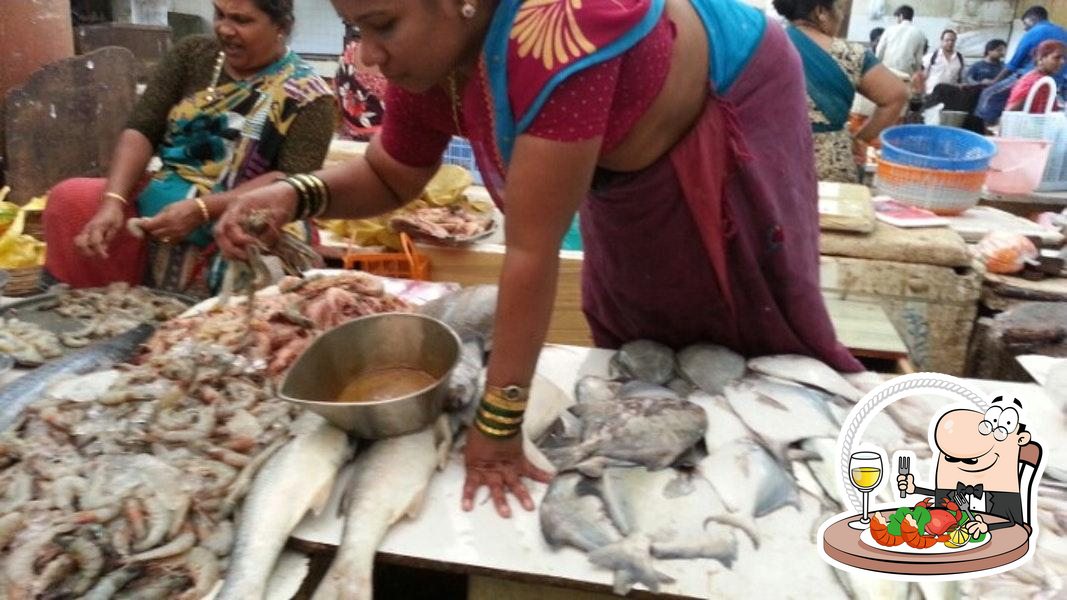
{"type": "Point", "coordinates": [678, 129]}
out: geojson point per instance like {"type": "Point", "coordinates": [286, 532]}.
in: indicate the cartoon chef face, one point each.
{"type": "Point", "coordinates": [981, 447]}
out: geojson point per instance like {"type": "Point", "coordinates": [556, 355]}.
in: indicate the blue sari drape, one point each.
{"type": "Point", "coordinates": [828, 85]}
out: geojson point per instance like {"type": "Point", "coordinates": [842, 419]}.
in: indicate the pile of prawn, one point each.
{"type": "Point", "coordinates": [131, 490]}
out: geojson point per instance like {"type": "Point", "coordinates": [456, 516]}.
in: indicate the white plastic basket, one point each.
{"type": "Point", "coordinates": [1050, 126]}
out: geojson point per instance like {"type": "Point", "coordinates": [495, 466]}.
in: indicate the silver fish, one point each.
{"type": "Point", "coordinates": [596, 389]}
{"type": "Point", "coordinates": [645, 425]}
{"type": "Point", "coordinates": [390, 482]}
{"type": "Point", "coordinates": [644, 360]}
{"type": "Point", "coordinates": [710, 367]}
{"type": "Point", "coordinates": [779, 420]}
{"type": "Point", "coordinates": [15, 396]}
{"type": "Point", "coordinates": [469, 311]}
{"type": "Point", "coordinates": [467, 382]}
{"type": "Point", "coordinates": [679, 514]}
{"type": "Point", "coordinates": [298, 478]}
{"type": "Point", "coordinates": [806, 370]}
{"type": "Point", "coordinates": [572, 515]}
{"type": "Point", "coordinates": [746, 476]}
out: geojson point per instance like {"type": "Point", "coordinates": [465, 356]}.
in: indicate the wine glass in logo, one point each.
{"type": "Point", "coordinates": [865, 469]}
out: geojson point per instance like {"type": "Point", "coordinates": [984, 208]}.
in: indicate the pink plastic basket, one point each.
{"type": "Point", "coordinates": [1018, 166]}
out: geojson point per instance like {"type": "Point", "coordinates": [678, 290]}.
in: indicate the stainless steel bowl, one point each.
{"type": "Point", "coordinates": [369, 343]}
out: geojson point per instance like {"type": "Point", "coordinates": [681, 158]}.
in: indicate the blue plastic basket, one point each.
{"type": "Point", "coordinates": [936, 147]}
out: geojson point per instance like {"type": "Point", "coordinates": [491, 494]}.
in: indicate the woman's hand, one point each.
{"type": "Point", "coordinates": [275, 202]}
{"type": "Point", "coordinates": [174, 222]}
{"type": "Point", "coordinates": [100, 231]}
{"type": "Point", "coordinates": [501, 465]}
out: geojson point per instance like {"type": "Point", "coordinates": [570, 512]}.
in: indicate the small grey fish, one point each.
{"type": "Point", "coordinates": [644, 360]}
{"type": "Point", "coordinates": [645, 425]}
{"type": "Point", "coordinates": [15, 396]}
{"type": "Point", "coordinates": [469, 311]}
{"type": "Point", "coordinates": [596, 389]}
{"type": "Point", "coordinates": [710, 367]}
{"type": "Point", "coordinates": [779, 420]}
{"type": "Point", "coordinates": [571, 516]}
{"type": "Point", "coordinates": [749, 479]}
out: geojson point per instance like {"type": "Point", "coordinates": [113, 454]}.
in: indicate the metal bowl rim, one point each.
{"type": "Point", "coordinates": [437, 381]}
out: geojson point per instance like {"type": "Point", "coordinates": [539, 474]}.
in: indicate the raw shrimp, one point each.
{"type": "Point", "coordinates": [240, 486]}
{"type": "Point", "coordinates": [10, 525]}
{"type": "Point", "coordinates": [66, 489]}
{"type": "Point", "coordinates": [178, 545]}
{"type": "Point", "coordinates": [158, 523]}
{"type": "Point", "coordinates": [203, 568]}
{"type": "Point", "coordinates": [89, 558]}
{"type": "Point", "coordinates": [110, 584]}
{"type": "Point", "coordinates": [17, 490]}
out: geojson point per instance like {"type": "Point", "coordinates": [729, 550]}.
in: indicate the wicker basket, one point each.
{"type": "Point", "coordinates": [23, 282]}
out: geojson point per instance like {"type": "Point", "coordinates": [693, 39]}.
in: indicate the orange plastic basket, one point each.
{"type": "Point", "coordinates": [940, 191]}
{"type": "Point", "coordinates": [408, 264]}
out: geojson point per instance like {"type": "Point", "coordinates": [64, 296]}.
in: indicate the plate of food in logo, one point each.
{"type": "Point", "coordinates": [923, 529]}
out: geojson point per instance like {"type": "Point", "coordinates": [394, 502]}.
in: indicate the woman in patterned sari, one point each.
{"type": "Point", "coordinates": [223, 114]}
{"type": "Point", "coordinates": [677, 128]}
{"type": "Point", "coordinates": [834, 71]}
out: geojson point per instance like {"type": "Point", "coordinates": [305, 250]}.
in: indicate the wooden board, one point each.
{"type": "Point", "coordinates": [864, 328]}
{"type": "Point", "coordinates": [976, 222]}
{"type": "Point", "coordinates": [482, 263]}
{"type": "Point", "coordinates": [928, 246]}
{"type": "Point", "coordinates": [845, 207]}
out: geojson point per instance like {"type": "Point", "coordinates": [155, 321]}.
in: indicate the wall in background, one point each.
{"type": "Point", "coordinates": [318, 28]}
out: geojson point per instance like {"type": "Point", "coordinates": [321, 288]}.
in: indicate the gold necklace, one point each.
{"type": "Point", "coordinates": [454, 96]}
{"type": "Point", "coordinates": [211, 96]}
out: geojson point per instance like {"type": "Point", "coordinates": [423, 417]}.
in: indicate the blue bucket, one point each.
{"type": "Point", "coordinates": [936, 147]}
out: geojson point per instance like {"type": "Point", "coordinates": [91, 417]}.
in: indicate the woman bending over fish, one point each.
{"type": "Point", "coordinates": [224, 114]}
{"type": "Point", "coordinates": [678, 130]}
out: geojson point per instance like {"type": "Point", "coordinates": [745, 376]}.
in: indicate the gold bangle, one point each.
{"type": "Point", "coordinates": [497, 400]}
{"type": "Point", "coordinates": [496, 419]}
{"type": "Point", "coordinates": [493, 432]}
{"type": "Point", "coordinates": [203, 209]}
{"type": "Point", "coordinates": [116, 197]}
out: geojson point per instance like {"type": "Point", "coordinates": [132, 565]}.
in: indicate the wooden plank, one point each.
{"type": "Point", "coordinates": [975, 223]}
{"type": "Point", "coordinates": [865, 329]}
{"type": "Point", "coordinates": [929, 246]}
{"type": "Point", "coordinates": [482, 263]}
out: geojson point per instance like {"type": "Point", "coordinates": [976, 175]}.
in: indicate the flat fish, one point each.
{"type": "Point", "coordinates": [389, 483]}
{"type": "Point", "coordinates": [15, 396]}
{"type": "Point", "coordinates": [806, 370]}
{"type": "Point", "coordinates": [710, 367]}
{"type": "Point", "coordinates": [644, 360]}
{"type": "Point", "coordinates": [779, 420]}
{"type": "Point", "coordinates": [572, 515]}
{"type": "Point", "coordinates": [645, 425]}
{"type": "Point", "coordinates": [679, 513]}
{"type": "Point", "coordinates": [298, 478]}
{"type": "Point", "coordinates": [749, 480]}
{"type": "Point", "coordinates": [746, 476]}
{"type": "Point", "coordinates": [596, 389]}
{"type": "Point", "coordinates": [469, 311]}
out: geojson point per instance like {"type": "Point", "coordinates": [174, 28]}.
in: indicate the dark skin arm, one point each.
{"type": "Point", "coordinates": [367, 186]}
{"type": "Point", "coordinates": [128, 164]}
{"type": "Point", "coordinates": [546, 182]}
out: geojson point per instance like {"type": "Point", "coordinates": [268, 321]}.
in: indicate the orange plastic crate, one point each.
{"type": "Point", "coordinates": [407, 264]}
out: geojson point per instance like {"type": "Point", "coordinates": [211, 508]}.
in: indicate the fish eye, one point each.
{"type": "Point", "coordinates": [1009, 419]}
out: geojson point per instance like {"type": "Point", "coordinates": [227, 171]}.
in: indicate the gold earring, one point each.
{"type": "Point", "coordinates": [467, 10]}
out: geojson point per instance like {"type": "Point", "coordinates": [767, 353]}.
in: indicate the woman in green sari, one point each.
{"type": "Point", "coordinates": [223, 113]}
{"type": "Point", "coordinates": [835, 70]}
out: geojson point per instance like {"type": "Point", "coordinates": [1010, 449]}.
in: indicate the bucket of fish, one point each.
{"type": "Point", "coordinates": [377, 376]}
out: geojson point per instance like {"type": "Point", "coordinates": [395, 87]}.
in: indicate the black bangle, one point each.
{"type": "Point", "coordinates": [312, 195]}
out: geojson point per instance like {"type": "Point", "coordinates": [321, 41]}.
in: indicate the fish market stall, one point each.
{"type": "Point", "coordinates": [443, 537]}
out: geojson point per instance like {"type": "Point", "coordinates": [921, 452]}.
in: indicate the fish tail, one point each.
{"type": "Point", "coordinates": [742, 523]}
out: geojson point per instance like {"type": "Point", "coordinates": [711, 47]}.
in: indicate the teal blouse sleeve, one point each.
{"type": "Point", "coordinates": [869, 61]}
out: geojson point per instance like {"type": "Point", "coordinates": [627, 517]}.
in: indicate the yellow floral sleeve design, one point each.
{"type": "Point", "coordinates": [549, 31]}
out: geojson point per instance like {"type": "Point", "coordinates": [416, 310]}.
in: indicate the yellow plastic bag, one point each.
{"type": "Point", "coordinates": [19, 251]}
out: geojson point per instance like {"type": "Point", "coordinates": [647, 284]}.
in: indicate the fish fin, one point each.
{"type": "Point", "coordinates": [592, 467]}
{"type": "Point", "coordinates": [765, 398]}
{"type": "Point", "coordinates": [802, 455]}
{"type": "Point", "coordinates": [321, 498]}
{"type": "Point", "coordinates": [744, 524]}
{"type": "Point", "coordinates": [443, 438]}
{"type": "Point", "coordinates": [415, 507]}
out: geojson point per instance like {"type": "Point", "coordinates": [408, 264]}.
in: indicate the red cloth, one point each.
{"type": "Point", "coordinates": [718, 241]}
{"type": "Point", "coordinates": [71, 204]}
{"type": "Point", "coordinates": [1021, 90]}
{"type": "Point", "coordinates": [605, 100]}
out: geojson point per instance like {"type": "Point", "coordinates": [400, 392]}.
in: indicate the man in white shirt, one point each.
{"type": "Point", "coordinates": [943, 65]}
{"type": "Point", "coordinates": [902, 45]}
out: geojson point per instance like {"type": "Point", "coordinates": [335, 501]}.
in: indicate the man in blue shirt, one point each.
{"type": "Point", "coordinates": [1038, 29]}
{"type": "Point", "coordinates": [986, 70]}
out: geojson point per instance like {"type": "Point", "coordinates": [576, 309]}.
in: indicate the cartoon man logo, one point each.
{"type": "Point", "coordinates": [978, 465]}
